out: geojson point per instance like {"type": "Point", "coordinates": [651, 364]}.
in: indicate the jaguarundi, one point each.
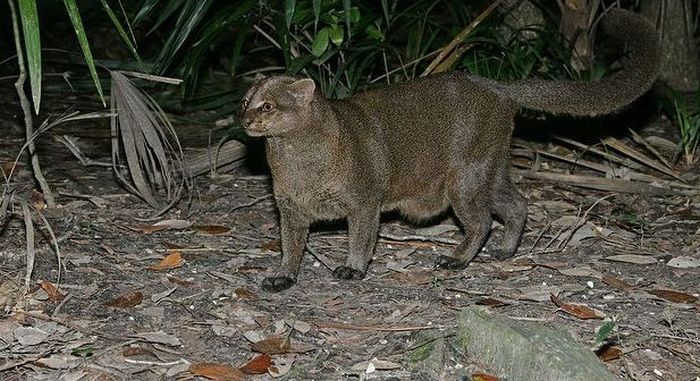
{"type": "Point", "coordinates": [419, 147]}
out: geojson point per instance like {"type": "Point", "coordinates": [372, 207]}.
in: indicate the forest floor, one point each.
{"type": "Point", "coordinates": [180, 296]}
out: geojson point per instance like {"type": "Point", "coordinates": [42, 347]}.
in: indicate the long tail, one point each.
{"type": "Point", "coordinates": [639, 39]}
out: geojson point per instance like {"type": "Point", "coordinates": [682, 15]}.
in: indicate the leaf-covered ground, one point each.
{"type": "Point", "coordinates": [179, 298]}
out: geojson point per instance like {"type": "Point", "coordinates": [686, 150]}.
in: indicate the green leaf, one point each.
{"type": "Point", "coordinates": [354, 15]}
{"type": "Point", "coordinates": [320, 44]}
{"type": "Point", "coordinates": [347, 5]}
{"type": "Point", "coordinates": [84, 351]}
{"type": "Point", "coordinates": [144, 10]}
{"type": "Point", "coordinates": [385, 8]}
{"type": "Point", "coordinates": [374, 32]}
{"type": "Point", "coordinates": [317, 12]}
{"type": "Point", "coordinates": [289, 6]}
{"type": "Point", "coordinates": [122, 32]}
{"type": "Point", "coordinates": [604, 331]}
{"type": "Point", "coordinates": [217, 24]}
{"type": "Point", "coordinates": [190, 16]}
{"type": "Point", "coordinates": [336, 34]}
{"type": "Point", "coordinates": [72, 9]}
{"type": "Point", "coordinates": [32, 44]}
{"type": "Point", "coordinates": [168, 10]}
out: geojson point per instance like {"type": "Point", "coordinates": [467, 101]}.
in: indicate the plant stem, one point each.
{"type": "Point", "coordinates": [28, 124]}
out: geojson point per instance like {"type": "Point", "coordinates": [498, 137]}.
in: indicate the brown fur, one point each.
{"type": "Point", "coordinates": [418, 147]}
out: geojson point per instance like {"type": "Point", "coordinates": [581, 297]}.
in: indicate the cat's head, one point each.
{"type": "Point", "coordinates": [276, 105]}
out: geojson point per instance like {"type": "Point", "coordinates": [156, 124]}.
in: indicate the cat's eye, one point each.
{"type": "Point", "coordinates": [267, 107]}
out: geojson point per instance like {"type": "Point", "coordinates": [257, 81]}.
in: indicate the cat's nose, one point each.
{"type": "Point", "coordinates": [247, 120]}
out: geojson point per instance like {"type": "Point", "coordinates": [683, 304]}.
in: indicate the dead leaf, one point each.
{"type": "Point", "coordinates": [491, 302]}
{"type": "Point", "coordinates": [251, 269]}
{"type": "Point", "coordinates": [674, 296]}
{"type": "Point", "coordinates": [684, 262]}
{"type": "Point", "coordinates": [258, 365]}
{"type": "Point", "coordinates": [484, 377]}
{"type": "Point", "coordinates": [28, 336]}
{"type": "Point", "coordinates": [582, 271]}
{"type": "Point", "coordinates": [244, 293]}
{"type": "Point", "coordinates": [160, 225]}
{"type": "Point", "coordinates": [127, 300]}
{"type": "Point", "coordinates": [580, 311]}
{"type": "Point", "coordinates": [616, 283]}
{"type": "Point", "coordinates": [609, 353]}
{"type": "Point", "coordinates": [211, 229]}
{"type": "Point", "coordinates": [633, 258]}
{"type": "Point", "coordinates": [375, 364]}
{"type": "Point", "coordinates": [281, 366]}
{"type": "Point", "coordinates": [134, 351]}
{"type": "Point", "coordinates": [273, 245]}
{"type": "Point", "coordinates": [159, 337]}
{"type": "Point", "coordinates": [217, 372]}
{"type": "Point", "coordinates": [273, 345]}
{"type": "Point", "coordinates": [37, 200]}
{"type": "Point", "coordinates": [180, 282]}
{"type": "Point", "coordinates": [537, 293]}
{"type": "Point", "coordinates": [51, 291]}
{"type": "Point", "coordinates": [171, 261]}
{"type": "Point", "coordinates": [7, 166]}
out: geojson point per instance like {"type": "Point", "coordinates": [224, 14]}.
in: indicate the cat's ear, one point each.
{"type": "Point", "coordinates": [259, 77]}
{"type": "Point", "coordinates": [302, 90]}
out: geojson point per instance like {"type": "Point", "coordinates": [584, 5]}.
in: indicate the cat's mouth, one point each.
{"type": "Point", "coordinates": [256, 130]}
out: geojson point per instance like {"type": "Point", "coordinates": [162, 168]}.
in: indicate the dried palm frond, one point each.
{"type": "Point", "coordinates": [144, 138]}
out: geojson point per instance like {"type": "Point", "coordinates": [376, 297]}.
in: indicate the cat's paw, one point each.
{"type": "Point", "coordinates": [277, 283]}
{"type": "Point", "coordinates": [450, 263]}
{"type": "Point", "coordinates": [348, 273]}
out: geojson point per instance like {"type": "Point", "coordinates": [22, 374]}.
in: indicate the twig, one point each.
{"type": "Point", "coordinates": [685, 356]}
{"type": "Point", "coordinates": [6, 367]}
{"type": "Point", "coordinates": [581, 221]}
{"type": "Point", "coordinates": [687, 339]}
{"type": "Point", "coordinates": [55, 245]}
{"type": "Point", "coordinates": [356, 327]}
{"type": "Point", "coordinates": [61, 304]}
{"type": "Point", "coordinates": [29, 236]}
{"type": "Point", "coordinates": [422, 344]}
{"type": "Point", "coordinates": [249, 204]}
{"type": "Point", "coordinates": [539, 237]}
{"type": "Point", "coordinates": [446, 241]}
{"type": "Point", "coordinates": [640, 139]}
{"type": "Point", "coordinates": [24, 103]}
{"type": "Point", "coordinates": [318, 257]}
{"type": "Point", "coordinates": [156, 363]}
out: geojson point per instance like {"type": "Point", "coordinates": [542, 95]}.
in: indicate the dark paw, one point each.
{"type": "Point", "coordinates": [277, 283]}
{"type": "Point", "coordinates": [500, 254]}
{"type": "Point", "coordinates": [450, 263]}
{"type": "Point", "coordinates": [348, 273]}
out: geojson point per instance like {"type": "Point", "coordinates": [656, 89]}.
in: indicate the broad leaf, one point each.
{"type": "Point", "coordinates": [122, 32]}
{"type": "Point", "coordinates": [320, 44]}
{"type": "Point", "coordinates": [289, 6]}
{"type": "Point", "coordinates": [72, 9]}
{"type": "Point", "coordinates": [32, 44]}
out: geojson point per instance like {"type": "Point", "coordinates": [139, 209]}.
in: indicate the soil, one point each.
{"type": "Point", "coordinates": [122, 314]}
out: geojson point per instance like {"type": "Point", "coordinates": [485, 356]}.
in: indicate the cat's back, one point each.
{"type": "Point", "coordinates": [426, 105]}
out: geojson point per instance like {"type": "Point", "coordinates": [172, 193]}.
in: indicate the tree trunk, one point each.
{"type": "Point", "coordinates": [680, 66]}
{"type": "Point", "coordinates": [577, 17]}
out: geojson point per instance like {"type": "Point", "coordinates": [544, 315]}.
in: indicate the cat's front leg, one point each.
{"type": "Point", "coordinates": [294, 230]}
{"type": "Point", "coordinates": [363, 226]}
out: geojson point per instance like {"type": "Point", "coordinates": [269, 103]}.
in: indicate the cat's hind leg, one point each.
{"type": "Point", "coordinates": [470, 205]}
{"type": "Point", "coordinates": [510, 207]}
